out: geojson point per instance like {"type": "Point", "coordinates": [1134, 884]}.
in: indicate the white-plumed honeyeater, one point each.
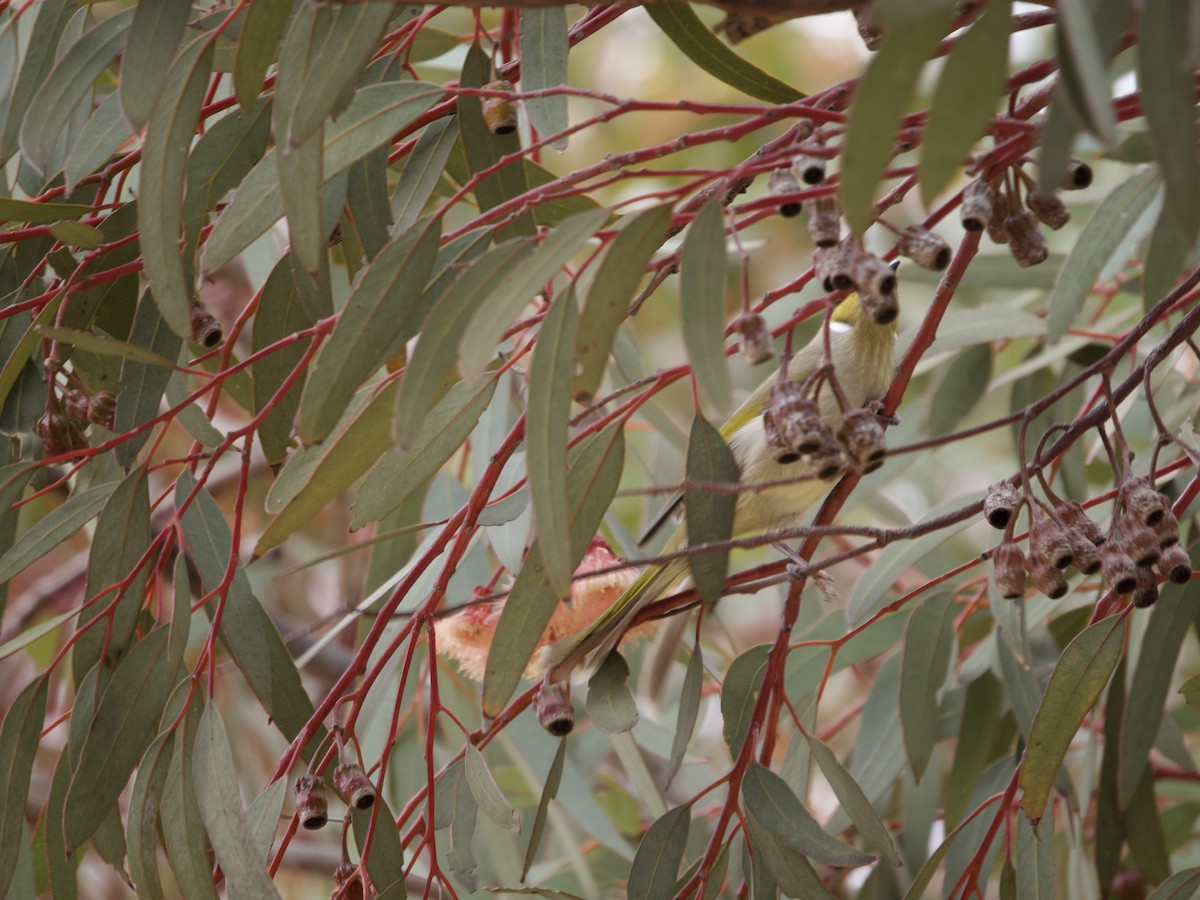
{"type": "Point", "coordinates": [862, 343]}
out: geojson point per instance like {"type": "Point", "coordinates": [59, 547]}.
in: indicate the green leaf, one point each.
{"type": "Point", "coordinates": [434, 356]}
{"type": "Point", "coordinates": [702, 296]}
{"type": "Point", "coordinates": [455, 808]}
{"type": "Point", "coordinates": [610, 703]}
{"type": "Point", "coordinates": [971, 82]}
{"type": "Point", "coordinates": [739, 694]}
{"type": "Point", "coordinates": [257, 47]}
{"type": "Point", "coordinates": [1079, 677]}
{"type": "Point", "coordinates": [544, 65]}
{"type": "Point", "coordinates": [50, 531]}
{"type": "Point", "coordinates": [656, 864]}
{"type": "Point", "coordinates": [51, 18]}
{"type": "Point", "coordinates": [246, 630]}
{"type": "Point", "coordinates": [692, 36]}
{"type": "Point", "coordinates": [76, 234]}
{"type": "Point", "coordinates": [1180, 886]}
{"type": "Point", "coordinates": [300, 180]}
{"type": "Point", "coordinates": [592, 479]}
{"type": "Point", "coordinates": [928, 644]}
{"type": "Point", "coordinates": [422, 171]}
{"type": "Point", "coordinates": [772, 804]}
{"type": "Point", "coordinates": [1191, 692]}
{"type": "Point", "coordinates": [492, 802]}
{"type": "Point", "coordinates": [20, 735]}
{"type": "Point", "coordinates": [263, 817]}
{"type": "Point", "coordinates": [1104, 233]}
{"type": "Point", "coordinates": [549, 792]}
{"type": "Point", "coordinates": [221, 810]}
{"type": "Point", "coordinates": [961, 388]}
{"type": "Point", "coordinates": [104, 345]}
{"type": "Point", "coordinates": [57, 868]}
{"type": "Point", "coordinates": [1161, 643]}
{"type": "Point", "coordinates": [854, 801]}
{"type": "Point", "coordinates": [607, 304]}
{"type": "Point", "coordinates": [510, 296]}
{"type": "Point", "coordinates": [384, 855]}
{"type": "Point", "coordinates": [399, 473]}
{"type": "Point", "coordinates": [981, 720]}
{"type": "Point", "coordinates": [155, 33]}
{"type": "Point", "coordinates": [709, 514]}
{"type": "Point", "coordinates": [381, 314]}
{"type": "Point", "coordinates": [377, 113]}
{"type": "Point", "coordinates": [1035, 861]}
{"type": "Point", "coordinates": [548, 412]}
{"type": "Point", "coordinates": [1166, 66]}
{"type": "Point", "coordinates": [143, 384]}
{"type": "Point", "coordinates": [1085, 61]}
{"type": "Point", "coordinates": [689, 708]}
{"type": "Point", "coordinates": [160, 201]}
{"type": "Point", "coordinates": [124, 726]}
{"type": "Point", "coordinates": [182, 829]}
{"type": "Point", "coordinates": [141, 825]}
{"type": "Point", "coordinates": [880, 102]}
{"type": "Point", "coordinates": [778, 867]}
{"type": "Point", "coordinates": [67, 84]}
{"type": "Point", "coordinates": [1165, 258]}
{"type": "Point", "coordinates": [33, 213]}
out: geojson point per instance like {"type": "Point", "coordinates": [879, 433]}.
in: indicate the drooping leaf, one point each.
{"type": "Point", "coordinates": [610, 702]}
{"type": "Point", "coordinates": [548, 411]}
{"type": "Point", "coordinates": [549, 792]}
{"type": "Point", "coordinates": [153, 36]}
{"type": "Point", "coordinates": [854, 800]}
{"type": "Point", "coordinates": [76, 234]}
{"type": "Point", "coordinates": [709, 513]}
{"type": "Point", "coordinates": [739, 694]}
{"type": "Point", "coordinates": [659, 854]}
{"type": "Point", "coordinates": [544, 65]}
{"type": "Point", "coordinates": [1104, 233]}
{"type": "Point", "coordinates": [143, 384]}
{"type": "Point", "coordinates": [20, 734]}
{"type": "Point", "coordinates": [1164, 259]}
{"type": "Point", "coordinates": [692, 36]}
{"type": "Point", "coordinates": [1079, 676]}
{"type": "Point", "coordinates": [971, 82]}
{"type": "Point", "coordinates": [183, 832]}
{"type": "Point", "coordinates": [384, 854]}
{"type": "Point", "coordinates": [1086, 63]}
{"type": "Point", "coordinates": [702, 296]}
{"type": "Point", "coordinates": [422, 171]}
{"type": "Point", "coordinates": [49, 23]}
{"type": "Point", "coordinates": [221, 810]}
{"type": "Point", "coordinates": [257, 47]}
{"type": "Point", "coordinates": [160, 200]}
{"type": "Point", "coordinates": [104, 345]}
{"type": "Point", "coordinates": [105, 131]}
{"type": "Point", "coordinates": [263, 817]}
{"type": "Point", "coordinates": [455, 808]}
{"type": "Point", "coordinates": [928, 643]}
{"type": "Point", "coordinates": [28, 211]}
{"type": "Point", "coordinates": [689, 708]}
{"type": "Point", "coordinates": [141, 824]}
{"type": "Point", "coordinates": [54, 528]}
{"type": "Point", "coordinates": [492, 802]}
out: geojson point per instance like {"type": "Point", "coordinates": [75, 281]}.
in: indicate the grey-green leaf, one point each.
{"type": "Point", "coordinates": [656, 864]}
{"type": "Point", "coordinates": [549, 792]}
{"type": "Point", "coordinates": [739, 694]}
{"type": "Point", "coordinates": [709, 513]}
{"type": "Point", "coordinates": [544, 65]}
{"type": "Point", "coordinates": [689, 708]}
{"type": "Point", "coordinates": [610, 703]}
{"type": "Point", "coordinates": [153, 37]}
{"type": "Point", "coordinates": [492, 803]}
{"type": "Point", "coordinates": [854, 801]}
{"type": "Point", "coordinates": [141, 825]}
{"type": "Point", "coordinates": [702, 296]}
{"type": "Point", "coordinates": [19, 737]}
{"type": "Point", "coordinates": [928, 642]}
{"type": "Point", "coordinates": [384, 855]}
{"type": "Point", "coordinates": [56, 527]}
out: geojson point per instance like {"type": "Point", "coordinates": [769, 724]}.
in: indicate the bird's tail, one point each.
{"type": "Point", "coordinates": [589, 648]}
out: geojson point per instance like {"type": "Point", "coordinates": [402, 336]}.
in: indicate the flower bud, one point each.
{"type": "Point", "coordinates": [824, 220]}
{"type": "Point", "coordinates": [75, 404]}
{"type": "Point", "coordinates": [834, 265]}
{"type": "Point", "coordinates": [1167, 529]}
{"type": "Point", "coordinates": [1175, 565]}
{"type": "Point", "coordinates": [1085, 556]}
{"type": "Point", "coordinates": [1117, 568]}
{"type": "Point", "coordinates": [1072, 514]}
{"type": "Point", "coordinates": [1026, 243]}
{"type": "Point", "coordinates": [924, 247]}
{"type": "Point", "coordinates": [102, 409]}
{"type": "Point", "coordinates": [1142, 501]}
{"type": "Point", "coordinates": [553, 707]}
{"type": "Point", "coordinates": [1146, 592]}
{"type": "Point", "coordinates": [60, 434]}
{"type": "Point", "coordinates": [352, 783]}
{"type": "Point", "coordinates": [1008, 568]}
{"type": "Point", "coordinates": [782, 181]}
{"type": "Point", "coordinates": [205, 329]}
{"type": "Point", "coordinates": [1047, 578]}
{"type": "Point", "coordinates": [809, 168]}
{"type": "Point", "coordinates": [311, 807]}
{"type": "Point", "coordinates": [1048, 208]}
{"type": "Point", "coordinates": [1078, 175]}
{"type": "Point", "coordinates": [757, 346]}
{"type": "Point", "coordinates": [864, 439]}
{"type": "Point", "coordinates": [995, 223]}
{"type": "Point", "coordinates": [1048, 542]}
{"type": "Point", "coordinates": [1001, 504]}
{"type": "Point", "coordinates": [499, 113]}
{"type": "Point", "coordinates": [792, 423]}
{"type": "Point", "coordinates": [1141, 541]}
{"type": "Point", "coordinates": [977, 202]}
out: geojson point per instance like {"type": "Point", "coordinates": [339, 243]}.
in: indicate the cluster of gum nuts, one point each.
{"type": "Point", "coordinates": [349, 780]}
{"type": "Point", "coordinates": [1144, 536]}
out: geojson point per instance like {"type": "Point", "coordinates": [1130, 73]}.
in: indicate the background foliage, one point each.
{"type": "Point", "coordinates": [290, 337]}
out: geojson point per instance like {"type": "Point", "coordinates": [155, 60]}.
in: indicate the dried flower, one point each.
{"type": "Point", "coordinates": [1008, 568]}
{"type": "Point", "coordinates": [1001, 504]}
{"type": "Point", "coordinates": [792, 423]}
{"type": "Point", "coordinates": [978, 200]}
{"type": "Point", "coordinates": [757, 346]}
{"type": "Point", "coordinates": [1142, 501]}
{"type": "Point", "coordinates": [924, 247]}
{"type": "Point", "coordinates": [1085, 556]}
{"type": "Point", "coordinates": [870, 32]}
{"type": "Point", "coordinates": [830, 460]}
{"type": "Point", "coordinates": [60, 434]}
{"type": "Point", "coordinates": [995, 223]}
{"type": "Point", "coordinates": [876, 281]}
{"type": "Point", "coordinates": [835, 265]}
{"type": "Point", "coordinates": [1167, 529]}
{"type": "Point", "coordinates": [809, 167]}
{"type": "Point", "coordinates": [1141, 541]}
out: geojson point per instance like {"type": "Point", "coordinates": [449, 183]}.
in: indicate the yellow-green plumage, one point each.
{"type": "Point", "coordinates": [862, 354]}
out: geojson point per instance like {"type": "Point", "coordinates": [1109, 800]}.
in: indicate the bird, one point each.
{"type": "Point", "coordinates": [862, 340]}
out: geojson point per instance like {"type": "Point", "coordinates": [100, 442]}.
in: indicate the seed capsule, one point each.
{"type": "Point", "coordinates": [756, 338]}
{"type": "Point", "coordinates": [1008, 568]}
{"type": "Point", "coordinates": [356, 788]}
{"type": "Point", "coordinates": [206, 331]}
{"type": "Point", "coordinates": [499, 113]}
{"type": "Point", "coordinates": [1078, 175]}
{"type": "Point", "coordinates": [553, 707]}
{"type": "Point", "coordinates": [60, 434]}
{"type": "Point", "coordinates": [1048, 542]}
{"type": "Point", "coordinates": [1167, 529]}
{"type": "Point", "coordinates": [824, 220]}
{"type": "Point", "coordinates": [1175, 565]}
{"type": "Point", "coordinates": [1146, 592]}
{"type": "Point", "coordinates": [312, 809]}
{"type": "Point", "coordinates": [1025, 240]}
{"type": "Point", "coordinates": [1072, 514]}
{"type": "Point", "coordinates": [782, 181]}
{"type": "Point", "coordinates": [835, 265]}
{"type": "Point", "coordinates": [1048, 208]}
{"type": "Point", "coordinates": [1085, 556]}
{"type": "Point", "coordinates": [864, 439]}
{"type": "Point", "coordinates": [102, 409]}
{"type": "Point", "coordinates": [830, 460]}
{"type": "Point", "coordinates": [75, 404]}
{"type": "Point", "coordinates": [995, 223]}
{"type": "Point", "coordinates": [1142, 501]}
{"type": "Point", "coordinates": [792, 423]}
{"type": "Point", "coordinates": [1047, 578]}
{"type": "Point", "coordinates": [1141, 541]}
{"type": "Point", "coordinates": [809, 168]}
{"type": "Point", "coordinates": [1001, 504]}
{"type": "Point", "coordinates": [1117, 568]}
{"type": "Point", "coordinates": [977, 202]}
{"type": "Point", "coordinates": [876, 282]}
{"type": "Point", "coordinates": [924, 247]}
